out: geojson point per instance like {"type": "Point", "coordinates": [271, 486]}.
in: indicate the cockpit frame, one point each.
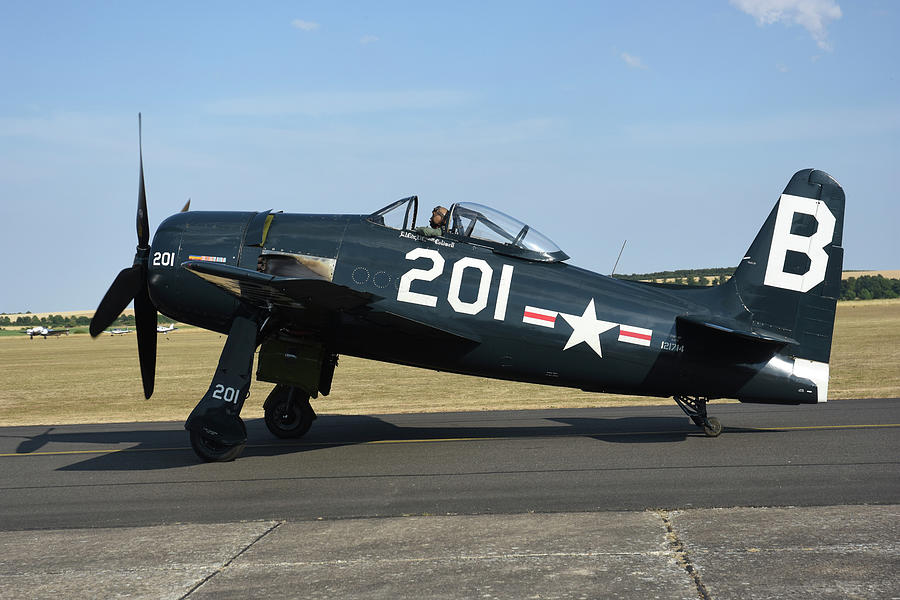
{"type": "Point", "coordinates": [472, 223]}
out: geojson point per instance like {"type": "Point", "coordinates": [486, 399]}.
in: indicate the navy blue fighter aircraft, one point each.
{"type": "Point", "coordinates": [488, 296]}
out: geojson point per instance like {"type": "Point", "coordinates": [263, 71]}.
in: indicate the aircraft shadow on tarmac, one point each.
{"type": "Point", "coordinates": [157, 448]}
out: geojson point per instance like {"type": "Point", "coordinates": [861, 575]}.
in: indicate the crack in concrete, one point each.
{"type": "Point", "coordinates": [681, 555]}
{"type": "Point", "coordinates": [228, 563]}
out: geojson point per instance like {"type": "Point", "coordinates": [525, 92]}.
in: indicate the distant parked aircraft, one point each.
{"type": "Point", "coordinates": [44, 332]}
{"type": "Point", "coordinates": [119, 331]}
{"type": "Point", "coordinates": [161, 329]}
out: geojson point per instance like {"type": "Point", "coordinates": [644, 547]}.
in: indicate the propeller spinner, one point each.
{"type": "Point", "coordinates": [131, 284]}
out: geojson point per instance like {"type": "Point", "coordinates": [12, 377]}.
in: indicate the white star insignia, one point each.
{"type": "Point", "coordinates": [587, 328]}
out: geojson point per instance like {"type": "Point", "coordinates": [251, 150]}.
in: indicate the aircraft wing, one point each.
{"type": "Point", "coordinates": [422, 331]}
{"type": "Point", "coordinates": [263, 289]}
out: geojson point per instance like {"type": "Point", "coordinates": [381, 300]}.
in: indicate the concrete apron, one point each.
{"type": "Point", "coordinates": [810, 552]}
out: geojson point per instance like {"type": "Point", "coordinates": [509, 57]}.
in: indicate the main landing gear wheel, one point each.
{"type": "Point", "coordinates": [288, 412]}
{"type": "Point", "coordinates": [695, 408]}
{"type": "Point", "coordinates": [212, 450]}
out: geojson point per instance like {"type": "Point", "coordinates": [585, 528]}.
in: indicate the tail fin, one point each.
{"type": "Point", "coordinates": [790, 278]}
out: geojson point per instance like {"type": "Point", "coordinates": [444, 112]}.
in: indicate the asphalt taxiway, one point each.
{"type": "Point", "coordinates": [616, 502]}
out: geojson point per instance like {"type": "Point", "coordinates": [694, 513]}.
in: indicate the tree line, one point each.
{"type": "Point", "coordinates": [867, 287]}
{"type": "Point", "coordinates": [708, 276]}
{"type": "Point", "coordinates": [28, 320]}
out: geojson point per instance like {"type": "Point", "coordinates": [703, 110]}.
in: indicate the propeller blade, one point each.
{"type": "Point", "coordinates": [124, 288]}
{"type": "Point", "coordinates": [187, 206]}
{"type": "Point", "coordinates": [143, 227]}
{"type": "Point", "coordinates": [145, 321]}
{"type": "Point", "coordinates": [131, 284]}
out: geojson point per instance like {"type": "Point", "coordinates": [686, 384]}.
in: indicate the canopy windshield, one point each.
{"type": "Point", "coordinates": [483, 223]}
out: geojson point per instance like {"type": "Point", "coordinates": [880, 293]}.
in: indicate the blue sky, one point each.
{"type": "Point", "coordinates": [674, 125]}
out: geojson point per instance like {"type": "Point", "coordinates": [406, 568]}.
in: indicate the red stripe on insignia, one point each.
{"type": "Point", "coordinates": [532, 315]}
{"type": "Point", "coordinates": [640, 336]}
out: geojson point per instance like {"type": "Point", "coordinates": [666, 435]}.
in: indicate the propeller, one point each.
{"type": "Point", "coordinates": [131, 284]}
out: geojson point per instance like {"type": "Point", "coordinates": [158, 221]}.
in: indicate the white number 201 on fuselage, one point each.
{"type": "Point", "coordinates": [404, 294]}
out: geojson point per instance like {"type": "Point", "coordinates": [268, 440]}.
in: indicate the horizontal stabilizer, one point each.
{"type": "Point", "coordinates": [264, 290]}
{"type": "Point", "coordinates": [734, 328]}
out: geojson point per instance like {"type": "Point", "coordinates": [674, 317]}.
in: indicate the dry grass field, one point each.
{"type": "Point", "coordinates": [76, 379]}
{"type": "Point", "coordinates": [865, 354]}
{"type": "Point", "coordinates": [891, 274]}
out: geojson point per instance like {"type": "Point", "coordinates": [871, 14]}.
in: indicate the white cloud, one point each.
{"type": "Point", "coordinates": [368, 39]}
{"type": "Point", "coordinates": [812, 15]}
{"type": "Point", "coordinates": [304, 25]}
{"type": "Point", "coordinates": [317, 104]}
{"type": "Point", "coordinates": [633, 61]}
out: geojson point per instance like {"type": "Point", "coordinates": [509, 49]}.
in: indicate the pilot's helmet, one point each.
{"type": "Point", "coordinates": [441, 212]}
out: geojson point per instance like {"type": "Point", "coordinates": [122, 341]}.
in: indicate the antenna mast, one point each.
{"type": "Point", "coordinates": [618, 257]}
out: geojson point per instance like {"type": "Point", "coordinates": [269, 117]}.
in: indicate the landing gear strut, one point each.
{"type": "Point", "coordinates": [695, 408]}
{"type": "Point", "coordinates": [217, 431]}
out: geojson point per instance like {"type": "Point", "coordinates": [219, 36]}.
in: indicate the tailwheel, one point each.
{"type": "Point", "coordinates": [211, 449]}
{"type": "Point", "coordinates": [288, 412]}
{"type": "Point", "coordinates": [695, 408]}
{"type": "Point", "coordinates": [712, 427]}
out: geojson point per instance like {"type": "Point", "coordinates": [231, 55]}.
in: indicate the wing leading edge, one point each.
{"type": "Point", "coordinates": [264, 291]}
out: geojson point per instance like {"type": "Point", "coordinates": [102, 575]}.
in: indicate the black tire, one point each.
{"type": "Point", "coordinates": [286, 417]}
{"type": "Point", "coordinates": [210, 450]}
{"type": "Point", "coordinates": [712, 427]}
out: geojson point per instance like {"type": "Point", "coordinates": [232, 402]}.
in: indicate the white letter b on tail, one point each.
{"type": "Point", "coordinates": [812, 246]}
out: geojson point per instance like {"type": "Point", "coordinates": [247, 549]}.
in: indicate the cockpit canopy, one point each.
{"type": "Point", "coordinates": [477, 224]}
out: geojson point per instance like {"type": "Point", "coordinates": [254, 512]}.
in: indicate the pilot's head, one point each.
{"type": "Point", "coordinates": [438, 216]}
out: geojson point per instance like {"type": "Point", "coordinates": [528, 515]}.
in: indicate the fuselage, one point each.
{"type": "Point", "coordinates": [481, 312]}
